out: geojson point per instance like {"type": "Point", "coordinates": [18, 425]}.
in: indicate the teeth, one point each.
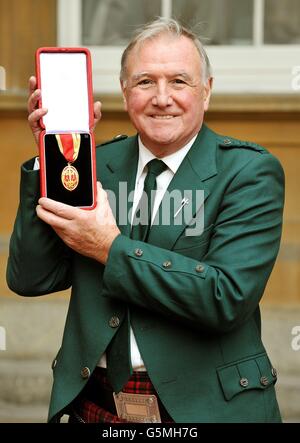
{"type": "Point", "coordinates": [163, 117]}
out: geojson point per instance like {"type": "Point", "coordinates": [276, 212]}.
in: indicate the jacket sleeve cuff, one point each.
{"type": "Point", "coordinates": [114, 267]}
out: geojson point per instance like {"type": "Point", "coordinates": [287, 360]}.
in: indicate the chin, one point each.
{"type": "Point", "coordinates": [163, 138]}
{"type": "Point", "coordinates": [162, 142]}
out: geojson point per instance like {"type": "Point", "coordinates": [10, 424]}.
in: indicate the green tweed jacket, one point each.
{"type": "Point", "coordinates": [196, 319]}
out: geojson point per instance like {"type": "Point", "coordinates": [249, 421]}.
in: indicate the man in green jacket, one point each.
{"type": "Point", "coordinates": [175, 308]}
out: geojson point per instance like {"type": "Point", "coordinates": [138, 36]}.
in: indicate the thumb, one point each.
{"type": "Point", "coordinates": [101, 194]}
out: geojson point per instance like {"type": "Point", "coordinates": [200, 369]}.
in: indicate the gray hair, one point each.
{"type": "Point", "coordinates": [165, 26]}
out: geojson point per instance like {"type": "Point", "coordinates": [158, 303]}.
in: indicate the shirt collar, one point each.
{"type": "Point", "coordinates": [173, 161]}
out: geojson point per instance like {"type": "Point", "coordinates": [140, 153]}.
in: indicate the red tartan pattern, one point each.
{"type": "Point", "coordinates": [90, 412]}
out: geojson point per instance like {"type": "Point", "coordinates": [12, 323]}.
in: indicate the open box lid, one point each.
{"type": "Point", "coordinates": [65, 79]}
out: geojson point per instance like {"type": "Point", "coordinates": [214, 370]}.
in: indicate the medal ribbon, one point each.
{"type": "Point", "coordinates": [69, 145]}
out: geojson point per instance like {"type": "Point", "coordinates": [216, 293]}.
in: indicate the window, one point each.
{"type": "Point", "coordinates": [254, 45]}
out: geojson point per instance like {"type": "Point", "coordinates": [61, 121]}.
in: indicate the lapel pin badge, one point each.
{"type": "Point", "coordinates": [184, 202]}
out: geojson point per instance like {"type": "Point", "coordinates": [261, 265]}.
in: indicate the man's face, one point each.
{"type": "Point", "coordinates": [164, 92]}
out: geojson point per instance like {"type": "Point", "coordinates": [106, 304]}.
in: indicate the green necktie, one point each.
{"type": "Point", "coordinates": [118, 356]}
{"type": "Point", "coordinates": [142, 220]}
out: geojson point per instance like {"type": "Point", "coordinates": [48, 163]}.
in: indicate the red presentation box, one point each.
{"type": "Point", "coordinates": [67, 145]}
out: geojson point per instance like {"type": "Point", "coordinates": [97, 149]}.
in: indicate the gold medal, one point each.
{"type": "Point", "coordinates": [69, 145]}
{"type": "Point", "coordinates": [70, 178]}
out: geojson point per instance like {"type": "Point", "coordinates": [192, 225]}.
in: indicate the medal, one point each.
{"type": "Point", "coordinates": [70, 177]}
{"type": "Point", "coordinates": [69, 145]}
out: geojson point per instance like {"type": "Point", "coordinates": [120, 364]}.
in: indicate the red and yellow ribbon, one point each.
{"type": "Point", "coordinates": [69, 145]}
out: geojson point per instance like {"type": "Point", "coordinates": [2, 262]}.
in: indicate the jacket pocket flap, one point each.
{"type": "Point", "coordinates": [243, 375]}
{"type": "Point", "coordinates": [185, 241]}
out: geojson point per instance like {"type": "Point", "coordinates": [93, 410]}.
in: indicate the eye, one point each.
{"type": "Point", "coordinates": [145, 83]}
{"type": "Point", "coordinates": [178, 83]}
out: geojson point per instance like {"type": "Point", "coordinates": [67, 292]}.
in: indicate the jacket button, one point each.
{"type": "Point", "coordinates": [85, 372]}
{"type": "Point", "coordinates": [114, 322]}
{"type": "Point", "coordinates": [138, 252]}
{"type": "Point", "coordinates": [200, 268]}
{"type": "Point", "coordinates": [227, 141]}
{"type": "Point", "coordinates": [274, 372]}
{"type": "Point", "coordinates": [244, 382]}
{"type": "Point", "coordinates": [54, 363]}
{"type": "Point", "coordinates": [264, 381]}
{"type": "Point", "coordinates": [167, 264]}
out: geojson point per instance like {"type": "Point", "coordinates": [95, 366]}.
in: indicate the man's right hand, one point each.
{"type": "Point", "coordinates": [35, 113]}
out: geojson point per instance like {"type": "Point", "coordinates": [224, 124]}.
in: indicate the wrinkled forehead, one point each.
{"type": "Point", "coordinates": [164, 49]}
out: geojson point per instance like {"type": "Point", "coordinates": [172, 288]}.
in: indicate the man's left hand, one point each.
{"type": "Point", "coordinates": [89, 233]}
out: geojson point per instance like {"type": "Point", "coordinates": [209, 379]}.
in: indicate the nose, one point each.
{"type": "Point", "coordinates": [162, 97]}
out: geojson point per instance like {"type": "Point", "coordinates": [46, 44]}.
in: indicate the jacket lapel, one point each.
{"type": "Point", "coordinates": [188, 183]}
{"type": "Point", "coordinates": [120, 182]}
{"type": "Point", "coordinates": [198, 166]}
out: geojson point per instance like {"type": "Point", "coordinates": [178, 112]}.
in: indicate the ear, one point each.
{"type": "Point", "coordinates": [207, 93]}
{"type": "Point", "coordinates": [124, 93]}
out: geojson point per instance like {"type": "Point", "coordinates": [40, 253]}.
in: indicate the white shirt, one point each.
{"type": "Point", "coordinates": [173, 162]}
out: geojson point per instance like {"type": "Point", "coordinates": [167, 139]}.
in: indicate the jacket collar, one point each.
{"type": "Point", "coordinates": [188, 183]}
{"type": "Point", "coordinates": [198, 166]}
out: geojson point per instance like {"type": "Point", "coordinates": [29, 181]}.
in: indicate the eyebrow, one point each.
{"type": "Point", "coordinates": [139, 75]}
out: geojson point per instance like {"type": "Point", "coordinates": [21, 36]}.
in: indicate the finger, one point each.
{"type": "Point", "coordinates": [33, 100]}
{"type": "Point", "coordinates": [32, 84]}
{"type": "Point", "coordinates": [97, 114]}
{"type": "Point", "coordinates": [101, 196]}
{"type": "Point", "coordinates": [103, 206]}
{"type": "Point", "coordinates": [59, 209]}
{"type": "Point", "coordinates": [98, 197]}
{"type": "Point", "coordinates": [50, 218]}
{"type": "Point", "coordinates": [97, 110]}
{"type": "Point", "coordinates": [35, 116]}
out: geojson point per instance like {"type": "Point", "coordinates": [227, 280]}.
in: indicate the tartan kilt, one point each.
{"type": "Point", "coordinates": [95, 403]}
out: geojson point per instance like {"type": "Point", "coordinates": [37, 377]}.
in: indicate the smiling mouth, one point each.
{"type": "Point", "coordinates": [163, 117]}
